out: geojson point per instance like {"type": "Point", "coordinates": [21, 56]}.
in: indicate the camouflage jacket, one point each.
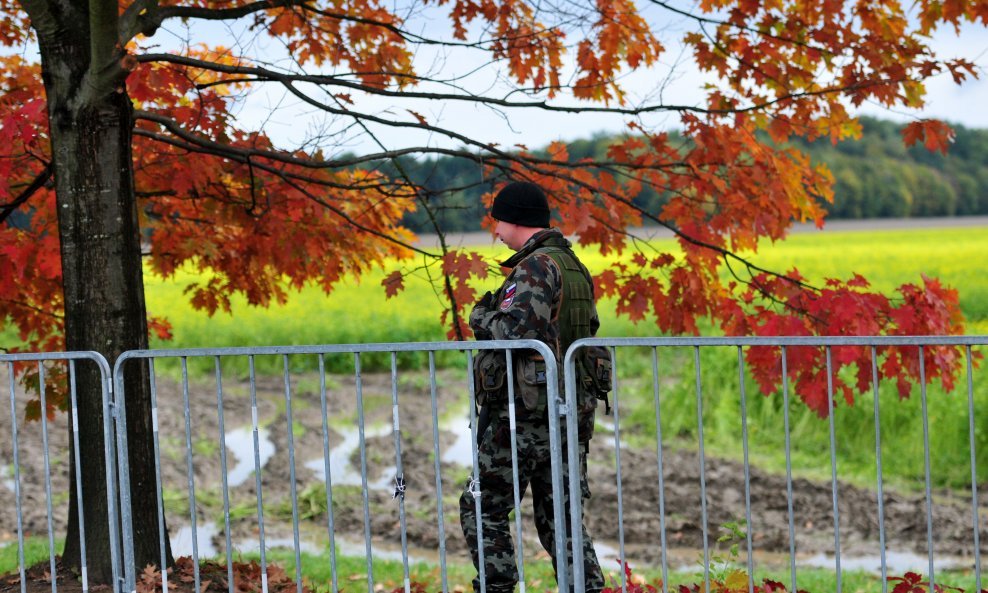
{"type": "Point", "coordinates": [526, 305]}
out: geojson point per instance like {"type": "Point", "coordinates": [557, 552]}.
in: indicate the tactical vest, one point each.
{"type": "Point", "coordinates": [577, 304]}
{"type": "Point", "coordinates": [592, 365]}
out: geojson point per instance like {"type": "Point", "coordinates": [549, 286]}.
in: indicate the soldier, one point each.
{"type": "Point", "coordinates": [548, 296]}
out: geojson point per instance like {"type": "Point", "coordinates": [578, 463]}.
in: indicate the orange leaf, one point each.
{"type": "Point", "coordinates": [393, 284]}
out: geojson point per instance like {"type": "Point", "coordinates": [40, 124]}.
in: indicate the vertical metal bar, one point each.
{"type": "Point", "coordinates": [926, 466]}
{"type": "Point", "coordinates": [257, 473]}
{"type": "Point", "coordinates": [190, 472]}
{"type": "Point", "coordinates": [327, 467]}
{"type": "Point", "coordinates": [747, 471]}
{"type": "Point", "coordinates": [662, 488]}
{"type": "Point", "coordinates": [162, 533]}
{"type": "Point", "coordinates": [703, 479]}
{"type": "Point", "coordinates": [556, 462]}
{"type": "Point", "coordinates": [574, 478]}
{"type": "Point", "coordinates": [785, 420]}
{"type": "Point", "coordinates": [519, 549]}
{"type": "Point", "coordinates": [616, 410]}
{"type": "Point", "coordinates": [399, 473]}
{"type": "Point", "coordinates": [833, 465]}
{"type": "Point", "coordinates": [439, 479]}
{"type": "Point", "coordinates": [17, 479]}
{"type": "Point", "coordinates": [976, 522]}
{"type": "Point", "coordinates": [291, 472]}
{"type": "Point", "coordinates": [878, 470]}
{"type": "Point", "coordinates": [121, 527]}
{"type": "Point", "coordinates": [475, 485]}
{"type": "Point", "coordinates": [225, 482]}
{"type": "Point", "coordinates": [44, 439]}
{"type": "Point", "coordinates": [74, 401]}
{"type": "Point", "coordinates": [363, 473]}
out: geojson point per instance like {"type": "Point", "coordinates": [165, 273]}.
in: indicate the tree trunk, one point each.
{"type": "Point", "coordinates": [103, 287]}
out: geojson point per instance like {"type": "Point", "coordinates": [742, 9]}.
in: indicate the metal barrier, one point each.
{"type": "Point", "coordinates": [176, 435]}
{"type": "Point", "coordinates": [320, 420]}
{"type": "Point", "coordinates": [738, 390]}
{"type": "Point", "coordinates": [19, 463]}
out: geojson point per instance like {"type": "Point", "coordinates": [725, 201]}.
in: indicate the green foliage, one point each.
{"type": "Point", "coordinates": [875, 177]}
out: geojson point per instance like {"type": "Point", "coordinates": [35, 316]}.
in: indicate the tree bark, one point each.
{"type": "Point", "coordinates": [91, 131]}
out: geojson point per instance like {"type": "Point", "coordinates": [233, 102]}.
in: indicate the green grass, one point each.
{"type": "Point", "coordinates": [358, 312]}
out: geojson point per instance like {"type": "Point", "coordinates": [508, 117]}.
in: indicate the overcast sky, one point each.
{"type": "Point", "coordinates": [675, 80]}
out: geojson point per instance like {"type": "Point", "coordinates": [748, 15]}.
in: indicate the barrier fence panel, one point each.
{"type": "Point", "coordinates": [38, 453]}
{"type": "Point", "coordinates": [274, 453]}
{"type": "Point", "coordinates": [912, 506]}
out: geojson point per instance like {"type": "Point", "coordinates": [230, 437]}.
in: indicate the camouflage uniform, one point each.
{"type": "Point", "coordinates": [525, 307]}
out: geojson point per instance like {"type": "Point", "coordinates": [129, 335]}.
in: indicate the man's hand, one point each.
{"type": "Point", "coordinates": [483, 306]}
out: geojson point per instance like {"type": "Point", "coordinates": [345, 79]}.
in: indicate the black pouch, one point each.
{"type": "Point", "coordinates": [593, 383]}
{"type": "Point", "coordinates": [530, 382]}
{"type": "Point", "coordinates": [600, 368]}
{"type": "Point", "coordinates": [490, 369]}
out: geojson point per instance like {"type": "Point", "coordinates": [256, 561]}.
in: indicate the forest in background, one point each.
{"type": "Point", "coordinates": [875, 177]}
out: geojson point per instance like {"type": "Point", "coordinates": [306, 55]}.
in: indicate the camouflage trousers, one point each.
{"type": "Point", "coordinates": [496, 497]}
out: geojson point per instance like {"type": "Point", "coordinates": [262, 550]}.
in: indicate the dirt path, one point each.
{"type": "Point", "coordinates": [905, 518]}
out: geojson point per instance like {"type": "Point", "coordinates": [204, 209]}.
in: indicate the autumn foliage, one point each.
{"type": "Point", "coordinates": [259, 219]}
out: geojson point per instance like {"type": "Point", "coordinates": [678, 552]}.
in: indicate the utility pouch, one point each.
{"type": "Point", "coordinates": [600, 368]}
{"type": "Point", "coordinates": [593, 383]}
{"type": "Point", "coordinates": [530, 382]}
{"type": "Point", "coordinates": [490, 369]}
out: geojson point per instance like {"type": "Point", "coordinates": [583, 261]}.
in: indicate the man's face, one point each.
{"type": "Point", "coordinates": [509, 234]}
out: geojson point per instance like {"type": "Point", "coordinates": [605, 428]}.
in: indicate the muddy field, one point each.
{"type": "Point", "coordinates": [905, 515]}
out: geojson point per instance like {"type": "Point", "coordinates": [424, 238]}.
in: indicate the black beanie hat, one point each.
{"type": "Point", "coordinates": [521, 203]}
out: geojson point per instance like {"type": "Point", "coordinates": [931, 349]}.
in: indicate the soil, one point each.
{"type": "Point", "coordinates": [638, 498]}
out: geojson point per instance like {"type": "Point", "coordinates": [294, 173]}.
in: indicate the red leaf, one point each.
{"type": "Point", "coordinates": [393, 284]}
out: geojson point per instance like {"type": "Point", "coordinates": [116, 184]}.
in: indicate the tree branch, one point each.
{"type": "Point", "coordinates": [291, 180]}
{"type": "Point", "coordinates": [42, 19]}
{"type": "Point", "coordinates": [287, 79]}
{"type": "Point", "coordinates": [34, 308]}
{"type": "Point", "coordinates": [39, 181]}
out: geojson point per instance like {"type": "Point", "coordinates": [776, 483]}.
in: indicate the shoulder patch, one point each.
{"type": "Point", "coordinates": [509, 296]}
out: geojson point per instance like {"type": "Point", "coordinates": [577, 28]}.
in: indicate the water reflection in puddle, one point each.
{"type": "Point", "coordinates": [461, 451]}
{"type": "Point", "coordinates": [340, 467]}
{"type": "Point", "coordinates": [182, 540]}
{"type": "Point", "coordinates": [7, 476]}
{"type": "Point", "coordinates": [272, 543]}
{"type": "Point", "coordinates": [240, 442]}
{"type": "Point", "coordinates": [895, 562]}
{"type": "Point", "coordinates": [358, 549]}
{"type": "Point", "coordinates": [606, 554]}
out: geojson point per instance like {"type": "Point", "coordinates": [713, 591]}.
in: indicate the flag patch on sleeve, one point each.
{"type": "Point", "coordinates": [509, 297]}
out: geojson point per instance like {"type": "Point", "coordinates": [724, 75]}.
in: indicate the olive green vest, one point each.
{"type": "Point", "coordinates": [576, 303]}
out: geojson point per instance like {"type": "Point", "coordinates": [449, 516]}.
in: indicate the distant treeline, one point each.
{"type": "Point", "coordinates": [875, 177]}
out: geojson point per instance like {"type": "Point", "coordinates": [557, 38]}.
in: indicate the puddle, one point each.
{"type": "Point", "coordinates": [342, 470]}
{"type": "Point", "coordinates": [895, 562]}
{"type": "Point", "coordinates": [606, 554]}
{"type": "Point", "coordinates": [271, 543]}
{"type": "Point", "coordinates": [182, 540]}
{"type": "Point", "coordinates": [461, 451]}
{"type": "Point", "coordinates": [7, 477]}
{"type": "Point", "coordinates": [604, 432]}
{"type": "Point", "coordinates": [240, 443]}
{"type": "Point", "coordinates": [358, 549]}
